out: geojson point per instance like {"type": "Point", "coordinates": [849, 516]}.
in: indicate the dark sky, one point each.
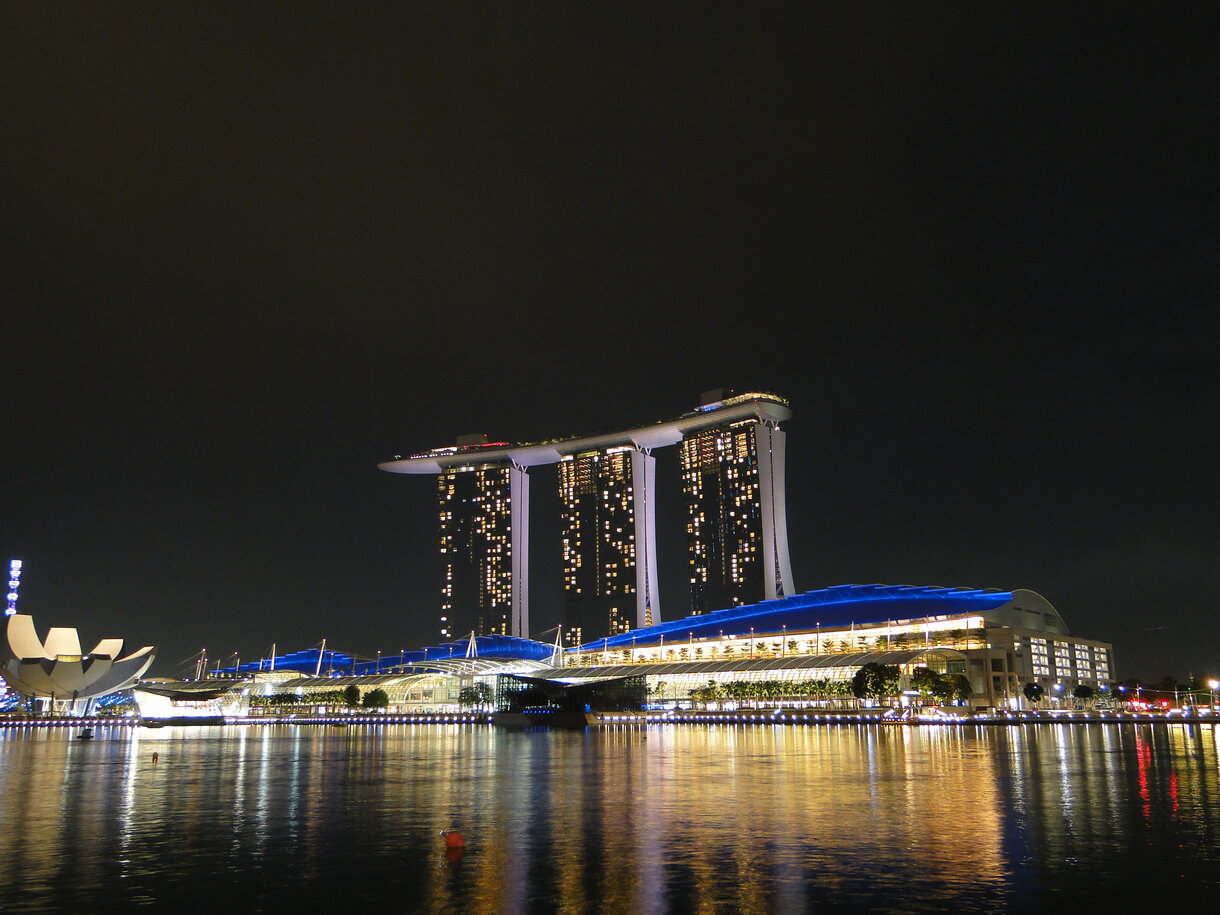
{"type": "Point", "coordinates": [251, 250]}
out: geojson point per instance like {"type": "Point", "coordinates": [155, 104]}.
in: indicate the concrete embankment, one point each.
{"type": "Point", "coordinates": [789, 717]}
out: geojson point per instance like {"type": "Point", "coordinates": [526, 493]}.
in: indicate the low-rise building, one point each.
{"type": "Point", "coordinates": [798, 650]}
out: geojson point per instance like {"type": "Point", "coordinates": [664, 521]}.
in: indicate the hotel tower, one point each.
{"type": "Point", "coordinates": [609, 553]}
{"type": "Point", "coordinates": [732, 477]}
{"type": "Point", "coordinates": [732, 458]}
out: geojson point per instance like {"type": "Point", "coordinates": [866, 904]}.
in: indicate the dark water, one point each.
{"type": "Point", "coordinates": [730, 818]}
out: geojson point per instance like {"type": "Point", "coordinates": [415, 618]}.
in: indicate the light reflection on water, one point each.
{"type": "Point", "coordinates": [708, 818]}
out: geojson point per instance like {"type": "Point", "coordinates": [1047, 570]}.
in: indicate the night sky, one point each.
{"type": "Point", "coordinates": [252, 250]}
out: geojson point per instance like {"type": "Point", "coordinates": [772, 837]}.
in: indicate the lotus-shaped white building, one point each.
{"type": "Point", "coordinates": [57, 670]}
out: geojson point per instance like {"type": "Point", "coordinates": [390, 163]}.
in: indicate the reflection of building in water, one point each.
{"type": "Point", "coordinates": [700, 818]}
{"type": "Point", "coordinates": [755, 815]}
{"type": "Point", "coordinates": [1112, 789]}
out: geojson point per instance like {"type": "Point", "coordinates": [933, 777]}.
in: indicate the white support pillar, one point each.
{"type": "Point", "coordinates": [778, 579]}
{"type": "Point", "coordinates": [519, 493]}
{"type": "Point", "coordinates": [644, 488]}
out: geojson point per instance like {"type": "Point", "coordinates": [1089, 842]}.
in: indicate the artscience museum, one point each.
{"type": "Point", "coordinates": [58, 674]}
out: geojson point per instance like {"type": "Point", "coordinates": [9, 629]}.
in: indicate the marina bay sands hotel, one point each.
{"type": "Point", "coordinates": [731, 452]}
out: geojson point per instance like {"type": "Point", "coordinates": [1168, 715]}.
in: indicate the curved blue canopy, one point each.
{"type": "Point", "coordinates": [841, 605]}
{"type": "Point", "coordinates": [311, 660]}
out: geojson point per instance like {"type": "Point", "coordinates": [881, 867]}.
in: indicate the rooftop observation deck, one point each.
{"type": "Point", "coordinates": [766, 408]}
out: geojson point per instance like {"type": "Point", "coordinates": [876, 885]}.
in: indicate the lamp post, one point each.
{"type": "Point", "coordinates": [1212, 686]}
{"type": "Point", "coordinates": [819, 625]}
{"type": "Point", "coordinates": [379, 662]}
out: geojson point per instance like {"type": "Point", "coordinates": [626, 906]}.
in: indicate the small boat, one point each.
{"type": "Point", "coordinates": [86, 734]}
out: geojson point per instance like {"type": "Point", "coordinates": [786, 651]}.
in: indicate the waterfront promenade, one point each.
{"type": "Point", "coordinates": [761, 716]}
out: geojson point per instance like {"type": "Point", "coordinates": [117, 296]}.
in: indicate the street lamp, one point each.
{"type": "Point", "coordinates": [1212, 686]}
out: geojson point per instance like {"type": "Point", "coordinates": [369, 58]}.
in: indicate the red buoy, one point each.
{"type": "Point", "coordinates": [454, 840]}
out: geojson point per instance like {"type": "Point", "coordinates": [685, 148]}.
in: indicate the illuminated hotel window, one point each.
{"type": "Point", "coordinates": [720, 474]}
{"type": "Point", "coordinates": [596, 489]}
{"type": "Point", "coordinates": [476, 543]}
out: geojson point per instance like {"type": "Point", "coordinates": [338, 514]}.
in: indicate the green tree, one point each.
{"type": "Point", "coordinates": [351, 695]}
{"type": "Point", "coordinates": [875, 681]}
{"type": "Point", "coordinates": [946, 688]}
{"type": "Point", "coordinates": [1083, 692]}
{"type": "Point", "coordinates": [961, 687]}
{"type": "Point", "coordinates": [376, 698]}
{"type": "Point", "coordinates": [1033, 692]}
{"type": "Point", "coordinates": [705, 694]}
{"type": "Point", "coordinates": [926, 680]}
{"type": "Point", "coordinates": [477, 695]}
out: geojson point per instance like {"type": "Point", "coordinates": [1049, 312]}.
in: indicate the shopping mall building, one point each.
{"type": "Point", "coordinates": [999, 640]}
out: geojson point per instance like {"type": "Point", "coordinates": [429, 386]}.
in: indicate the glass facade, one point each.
{"type": "Point", "coordinates": [476, 545]}
{"type": "Point", "coordinates": [720, 481]}
{"type": "Point", "coordinates": [599, 545]}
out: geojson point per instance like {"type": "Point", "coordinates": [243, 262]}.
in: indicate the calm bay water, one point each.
{"type": "Point", "coordinates": [700, 818]}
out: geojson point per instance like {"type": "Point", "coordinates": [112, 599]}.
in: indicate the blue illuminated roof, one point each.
{"type": "Point", "coordinates": [491, 647]}
{"type": "Point", "coordinates": [842, 605]}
